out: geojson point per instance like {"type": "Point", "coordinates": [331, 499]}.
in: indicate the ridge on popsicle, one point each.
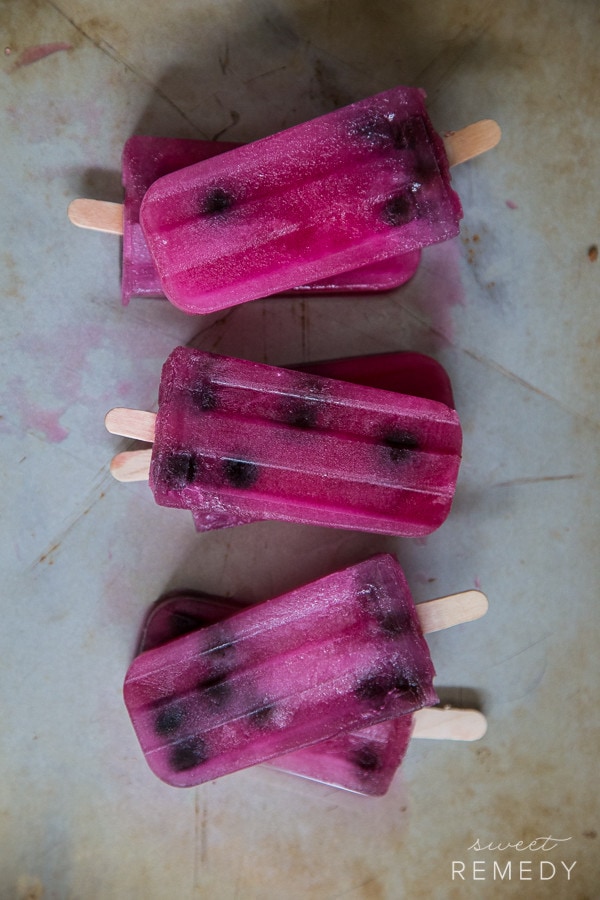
{"type": "Point", "coordinates": [310, 220]}
{"type": "Point", "coordinates": [344, 652]}
{"type": "Point", "coordinates": [236, 441]}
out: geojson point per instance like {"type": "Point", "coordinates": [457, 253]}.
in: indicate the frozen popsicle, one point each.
{"type": "Point", "coordinates": [144, 160]}
{"type": "Point", "coordinates": [363, 760]}
{"type": "Point", "coordinates": [356, 187]}
{"type": "Point", "coordinates": [236, 440]}
{"type": "Point", "coordinates": [344, 652]}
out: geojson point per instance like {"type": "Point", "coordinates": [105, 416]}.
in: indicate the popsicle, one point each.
{"type": "Point", "coordinates": [145, 159]}
{"type": "Point", "coordinates": [235, 441]}
{"type": "Point", "coordinates": [363, 761]}
{"type": "Point", "coordinates": [356, 187]}
{"type": "Point", "coordinates": [346, 651]}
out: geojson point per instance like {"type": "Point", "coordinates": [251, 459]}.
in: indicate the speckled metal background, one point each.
{"type": "Point", "coordinates": [510, 309]}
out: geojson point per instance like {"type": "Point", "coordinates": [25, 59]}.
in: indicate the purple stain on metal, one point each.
{"type": "Point", "coordinates": [39, 51]}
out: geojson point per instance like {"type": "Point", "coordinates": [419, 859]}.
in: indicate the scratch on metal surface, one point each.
{"type": "Point", "coordinates": [200, 829]}
{"type": "Point", "coordinates": [113, 54]}
{"type": "Point", "coordinates": [219, 323]}
{"type": "Point", "coordinates": [224, 60]}
{"type": "Point", "coordinates": [96, 494]}
{"type": "Point", "coordinates": [235, 118]}
{"type": "Point", "coordinates": [355, 887]}
{"type": "Point", "coordinates": [526, 384]}
{"type": "Point", "coordinates": [536, 479]}
{"type": "Point", "coordinates": [472, 32]}
{"type": "Point", "coordinates": [264, 74]}
{"type": "Point", "coordinates": [523, 650]}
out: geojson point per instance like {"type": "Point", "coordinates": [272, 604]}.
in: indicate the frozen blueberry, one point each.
{"type": "Point", "coordinates": [392, 622]}
{"type": "Point", "coordinates": [216, 202]}
{"type": "Point", "coordinates": [400, 444]}
{"type": "Point", "coordinates": [374, 127]}
{"type": "Point", "coordinates": [395, 622]}
{"type": "Point", "coordinates": [177, 470]}
{"type": "Point", "coordinates": [240, 473]}
{"type": "Point", "coordinates": [409, 134]}
{"type": "Point", "coordinates": [374, 686]}
{"type": "Point", "coordinates": [302, 414]}
{"type": "Point", "coordinates": [188, 753]}
{"type": "Point", "coordinates": [221, 647]}
{"type": "Point", "coordinates": [377, 685]}
{"type": "Point", "coordinates": [401, 208]}
{"type": "Point", "coordinates": [262, 716]}
{"type": "Point", "coordinates": [169, 720]}
{"type": "Point", "coordinates": [366, 758]}
{"type": "Point", "coordinates": [203, 394]}
{"type": "Point", "coordinates": [216, 689]}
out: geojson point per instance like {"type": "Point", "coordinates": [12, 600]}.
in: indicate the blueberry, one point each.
{"type": "Point", "coordinates": [178, 469]}
{"type": "Point", "coordinates": [302, 414]}
{"type": "Point", "coordinates": [401, 208]}
{"type": "Point", "coordinates": [377, 685]}
{"type": "Point", "coordinates": [216, 689]}
{"type": "Point", "coordinates": [262, 716]}
{"type": "Point", "coordinates": [395, 622]}
{"type": "Point", "coordinates": [221, 648]}
{"type": "Point", "coordinates": [216, 202]}
{"type": "Point", "coordinates": [188, 753]}
{"type": "Point", "coordinates": [374, 686]}
{"type": "Point", "coordinates": [392, 622]}
{"type": "Point", "coordinates": [240, 473]}
{"type": "Point", "coordinates": [400, 443]}
{"type": "Point", "coordinates": [203, 394]}
{"type": "Point", "coordinates": [410, 134]}
{"type": "Point", "coordinates": [366, 758]}
{"type": "Point", "coordinates": [374, 127]}
{"type": "Point", "coordinates": [169, 720]}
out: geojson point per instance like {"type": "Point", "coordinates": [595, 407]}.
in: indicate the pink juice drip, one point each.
{"type": "Point", "coordinates": [34, 54]}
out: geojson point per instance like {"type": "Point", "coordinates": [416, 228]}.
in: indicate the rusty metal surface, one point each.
{"type": "Point", "coordinates": [510, 309]}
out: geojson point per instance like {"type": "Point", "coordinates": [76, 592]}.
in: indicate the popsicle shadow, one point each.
{"type": "Point", "coordinates": [99, 184]}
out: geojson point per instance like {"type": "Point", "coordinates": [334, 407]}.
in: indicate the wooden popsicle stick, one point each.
{"type": "Point", "coordinates": [449, 724]}
{"type": "Point", "coordinates": [131, 423]}
{"type": "Point", "coordinates": [461, 145]}
{"type": "Point", "coordinates": [97, 215]}
{"type": "Point", "coordinates": [455, 609]}
{"type": "Point", "coordinates": [131, 465]}
{"type": "Point", "coordinates": [471, 141]}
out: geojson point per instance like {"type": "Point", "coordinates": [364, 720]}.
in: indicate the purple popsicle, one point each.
{"type": "Point", "coordinates": [358, 186]}
{"type": "Point", "coordinates": [145, 159]}
{"type": "Point", "coordinates": [342, 653]}
{"type": "Point", "coordinates": [364, 760]}
{"type": "Point", "coordinates": [236, 441]}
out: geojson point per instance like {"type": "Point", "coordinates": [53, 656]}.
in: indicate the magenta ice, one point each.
{"type": "Point", "coordinates": [237, 440]}
{"type": "Point", "coordinates": [356, 187]}
{"type": "Point", "coordinates": [341, 653]}
{"type": "Point", "coordinates": [364, 760]}
{"type": "Point", "coordinates": [145, 159]}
